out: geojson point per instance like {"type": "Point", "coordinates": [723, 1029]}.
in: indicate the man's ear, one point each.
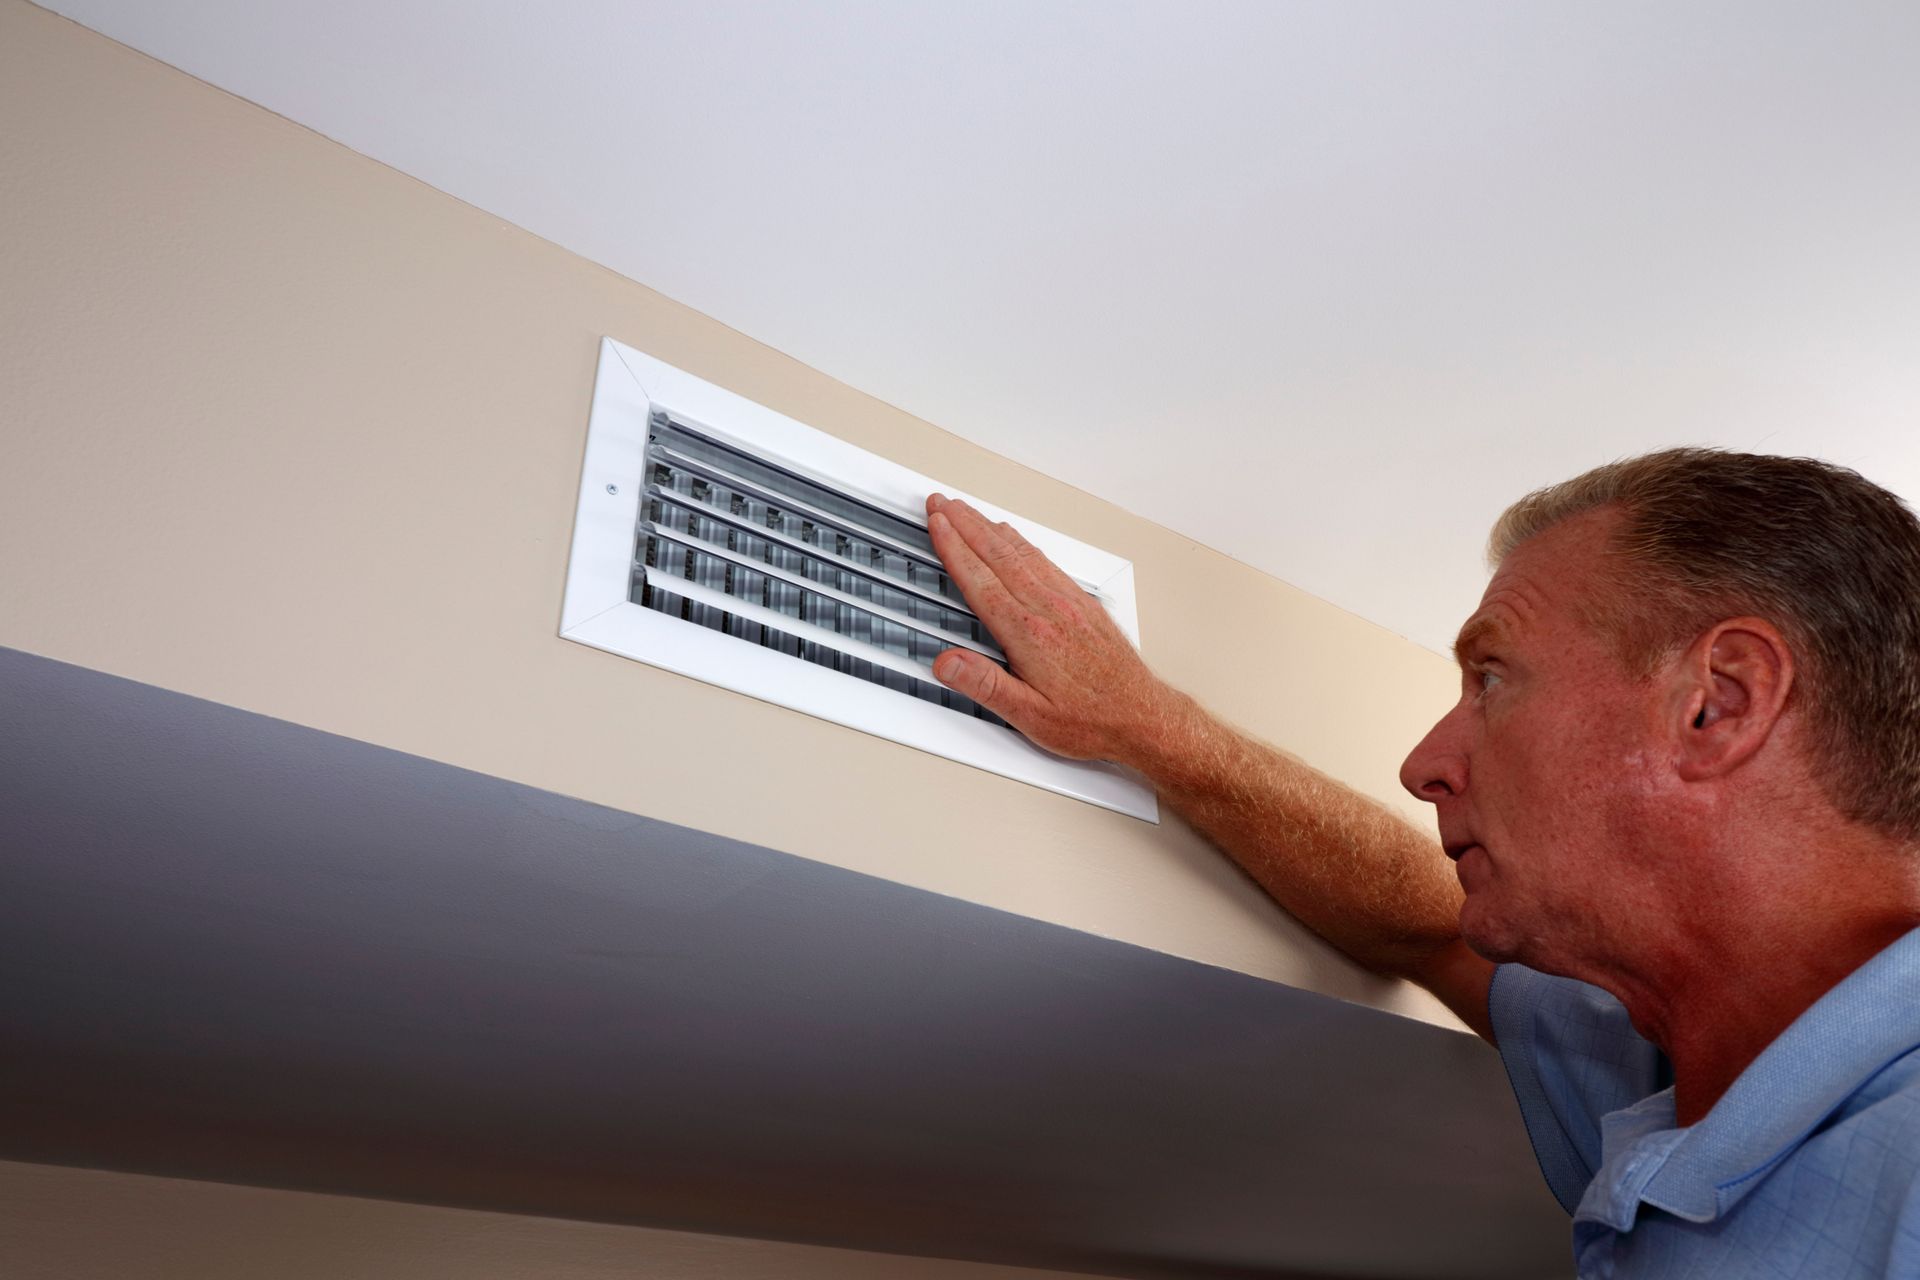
{"type": "Point", "coordinates": [1732, 687]}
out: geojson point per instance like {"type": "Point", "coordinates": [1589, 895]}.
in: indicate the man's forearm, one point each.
{"type": "Point", "coordinates": [1342, 864]}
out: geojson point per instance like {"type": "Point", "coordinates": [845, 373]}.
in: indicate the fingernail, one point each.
{"type": "Point", "coordinates": [935, 501]}
{"type": "Point", "coordinates": [936, 519]}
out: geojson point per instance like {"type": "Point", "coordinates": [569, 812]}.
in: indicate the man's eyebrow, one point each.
{"type": "Point", "coordinates": [1481, 628]}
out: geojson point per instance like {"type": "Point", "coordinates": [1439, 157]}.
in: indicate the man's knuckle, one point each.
{"type": "Point", "coordinates": [1068, 604]}
{"type": "Point", "coordinates": [996, 599]}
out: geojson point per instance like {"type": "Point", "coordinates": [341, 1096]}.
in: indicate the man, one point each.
{"type": "Point", "coordinates": [1681, 796]}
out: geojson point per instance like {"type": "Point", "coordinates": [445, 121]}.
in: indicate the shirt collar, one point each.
{"type": "Point", "coordinates": [1635, 1143]}
{"type": "Point", "coordinates": [1840, 1042]}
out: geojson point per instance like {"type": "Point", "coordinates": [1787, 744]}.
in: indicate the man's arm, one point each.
{"type": "Point", "coordinates": [1340, 863]}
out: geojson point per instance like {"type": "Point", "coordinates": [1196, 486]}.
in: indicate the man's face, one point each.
{"type": "Point", "coordinates": [1544, 770]}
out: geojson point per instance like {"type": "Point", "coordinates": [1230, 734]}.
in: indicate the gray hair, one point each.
{"type": "Point", "coordinates": [1824, 554]}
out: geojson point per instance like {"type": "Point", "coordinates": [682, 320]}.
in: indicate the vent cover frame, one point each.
{"type": "Point", "coordinates": [629, 388]}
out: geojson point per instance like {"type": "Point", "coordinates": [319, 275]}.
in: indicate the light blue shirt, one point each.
{"type": "Point", "coordinates": [1808, 1166]}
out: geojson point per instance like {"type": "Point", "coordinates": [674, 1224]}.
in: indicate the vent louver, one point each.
{"type": "Point", "coordinates": [744, 546]}
{"type": "Point", "coordinates": [719, 539]}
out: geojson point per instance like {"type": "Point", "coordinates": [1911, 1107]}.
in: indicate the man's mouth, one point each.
{"type": "Point", "coordinates": [1457, 851]}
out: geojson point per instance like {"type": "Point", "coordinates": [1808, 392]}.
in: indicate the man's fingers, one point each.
{"type": "Point", "coordinates": [981, 534]}
{"type": "Point", "coordinates": [1043, 569]}
{"type": "Point", "coordinates": [1018, 564]}
{"type": "Point", "coordinates": [986, 541]}
{"type": "Point", "coordinates": [978, 582]}
{"type": "Point", "coordinates": [989, 684]}
{"type": "Point", "coordinates": [1071, 666]}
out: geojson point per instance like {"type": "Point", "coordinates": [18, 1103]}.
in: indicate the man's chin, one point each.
{"type": "Point", "coordinates": [1486, 934]}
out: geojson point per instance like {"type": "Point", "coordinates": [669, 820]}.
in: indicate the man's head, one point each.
{"type": "Point", "coordinates": [1682, 638]}
{"type": "Point", "coordinates": [1827, 556]}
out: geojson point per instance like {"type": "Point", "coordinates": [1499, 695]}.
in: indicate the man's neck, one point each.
{"type": "Point", "coordinates": [1716, 1030]}
{"type": "Point", "coordinates": [1728, 979]}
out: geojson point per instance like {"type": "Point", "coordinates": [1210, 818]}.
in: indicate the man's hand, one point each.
{"type": "Point", "coordinates": [1078, 686]}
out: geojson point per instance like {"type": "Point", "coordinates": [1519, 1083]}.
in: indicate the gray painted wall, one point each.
{"type": "Point", "coordinates": [240, 949]}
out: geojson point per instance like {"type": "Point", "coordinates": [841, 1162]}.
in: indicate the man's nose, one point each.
{"type": "Point", "coordinates": [1437, 768]}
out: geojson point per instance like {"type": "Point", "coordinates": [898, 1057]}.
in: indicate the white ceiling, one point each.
{"type": "Point", "coordinates": [1320, 285]}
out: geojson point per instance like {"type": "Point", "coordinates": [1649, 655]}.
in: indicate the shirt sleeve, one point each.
{"type": "Point", "coordinates": [1572, 1056]}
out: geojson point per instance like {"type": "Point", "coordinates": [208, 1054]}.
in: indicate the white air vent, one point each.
{"type": "Point", "coordinates": [727, 542]}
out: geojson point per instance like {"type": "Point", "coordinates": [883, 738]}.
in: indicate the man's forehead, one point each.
{"type": "Point", "coordinates": [1539, 584]}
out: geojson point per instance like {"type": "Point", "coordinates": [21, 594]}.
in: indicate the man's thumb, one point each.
{"type": "Point", "coordinates": [966, 672]}
{"type": "Point", "coordinates": [992, 686]}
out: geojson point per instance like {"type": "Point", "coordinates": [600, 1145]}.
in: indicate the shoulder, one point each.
{"type": "Point", "coordinates": [1877, 1125]}
{"type": "Point", "coordinates": [1572, 1057]}
{"type": "Point", "coordinates": [1577, 1029]}
{"type": "Point", "coordinates": [1865, 1159]}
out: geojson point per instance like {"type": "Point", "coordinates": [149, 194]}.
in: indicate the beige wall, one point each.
{"type": "Point", "coordinates": [289, 430]}
{"type": "Point", "coordinates": [86, 1224]}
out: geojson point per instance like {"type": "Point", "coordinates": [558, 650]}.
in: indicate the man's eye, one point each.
{"type": "Point", "coordinates": [1485, 678]}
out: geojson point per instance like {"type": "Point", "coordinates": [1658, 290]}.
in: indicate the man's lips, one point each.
{"type": "Point", "coordinates": [1457, 849]}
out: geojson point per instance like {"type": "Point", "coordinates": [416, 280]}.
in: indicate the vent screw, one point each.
{"type": "Point", "coordinates": [614, 489]}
